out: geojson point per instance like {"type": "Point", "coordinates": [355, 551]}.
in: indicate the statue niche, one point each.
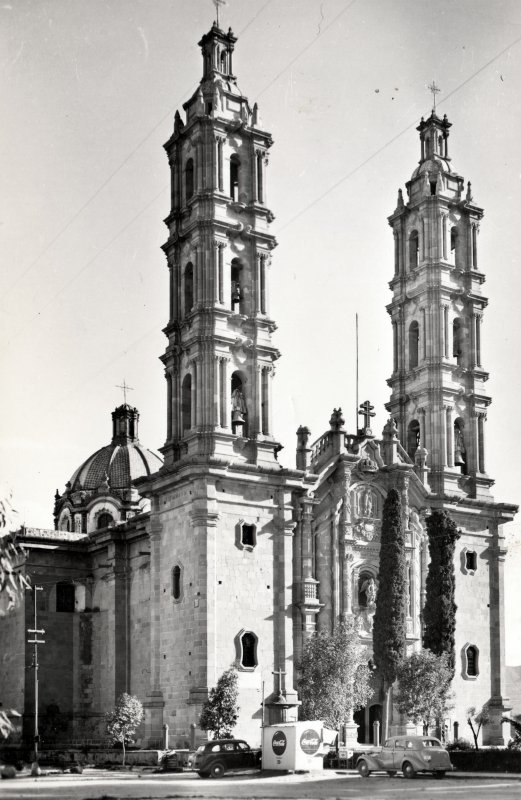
{"type": "Point", "coordinates": [366, 512]}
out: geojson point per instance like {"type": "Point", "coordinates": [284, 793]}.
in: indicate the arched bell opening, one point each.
{"type": "Point", "coordinates": [186, 404]}
{"type": "Point", "coordinates": [413, 438]}
{"type": "Point", "coordinates": [239, 420]}
{"type": "Point", "coordinates": [460, 450]}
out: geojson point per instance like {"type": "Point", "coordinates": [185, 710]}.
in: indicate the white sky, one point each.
{"type": "Point", "coordinates": [89, 92]}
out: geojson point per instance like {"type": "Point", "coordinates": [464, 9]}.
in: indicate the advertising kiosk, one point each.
{"type": "Point", "coordinates": [294, 746]}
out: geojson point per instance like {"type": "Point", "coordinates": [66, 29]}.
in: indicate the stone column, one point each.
{"type": "Point", "coordinates": [498, 704]}
{"type": "Point", "coordinates": [154, 702]}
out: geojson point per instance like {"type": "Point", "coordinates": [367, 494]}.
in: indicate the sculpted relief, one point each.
{"type": "Point", "coordinates": [366, 513]}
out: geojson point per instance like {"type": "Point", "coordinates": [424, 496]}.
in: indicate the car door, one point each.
{"type": "Point", "coordinates": [399, 753]}
{"type": "Point", "coordinates": [229, 755]}
{"type": "Point", "coordinates": [243, 755]}
{"type": "Point", "coordinates": [385, 756]}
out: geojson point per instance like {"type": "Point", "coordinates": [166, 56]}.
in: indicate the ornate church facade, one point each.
{"type": "Point", "coordinates": [161, 573]}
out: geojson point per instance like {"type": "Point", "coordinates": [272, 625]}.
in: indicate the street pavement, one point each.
{"type": "Point", "coordinates": [95, 784]}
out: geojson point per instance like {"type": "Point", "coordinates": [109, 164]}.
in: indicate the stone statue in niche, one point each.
{"type": "Point", "coordinates": [366, 525]}
{"type": "Point", "coordinates": [367, 503]}
{"type": "Point", "coordinates": [369, 587]}
{"type": "Point", "coordinates": [238, 401]}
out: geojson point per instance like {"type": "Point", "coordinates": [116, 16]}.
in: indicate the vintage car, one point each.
{"type": "Point", "coordinates": [215, 758]}
{"type": "Point", "coordinates": [408, 754]}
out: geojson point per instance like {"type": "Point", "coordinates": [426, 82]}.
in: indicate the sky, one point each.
{"type": "Point", "coordinates": [89, 94]}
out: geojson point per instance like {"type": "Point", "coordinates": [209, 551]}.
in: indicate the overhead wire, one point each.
{"type": "Point", "coordinates": [108, 179]}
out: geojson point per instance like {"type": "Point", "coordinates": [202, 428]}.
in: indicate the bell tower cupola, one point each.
{"type": "Point", "coordinates": [438, 395]}
{"type": "Point", "coordinates": [219, 361]}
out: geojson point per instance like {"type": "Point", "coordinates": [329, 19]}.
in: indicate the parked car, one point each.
{"type": "Point", "coordinates": [215, 758]}
{"type": "Point", "coordinates": [408, 754]}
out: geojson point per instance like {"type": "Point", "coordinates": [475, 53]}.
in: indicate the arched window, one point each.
{"type": "Point", "coordinates": [235, 164]}
{"type": "Point", "coordinates": [239, 408]}
{"type": "Point", "coordinates": [414, 249]}
{"type": "Point", "coordinates": [471, 661]}
{"type": "Point", "coordinates": [65, 597]}
{"type": "Point", "coordinates": [176, 582]}
{"type": "Point", "coordinates": [189, 287]}
{"type": "Point", "coordinates": [453, 245]}
{"type": "Point", "coordinates": [414, 342]}
{"type": "Point", "coordinates": [413, 438]}
{"type": "Point", "coordinates": [186, 403]}
{"type": "Point", "coordinates": [189, 179]}
{"type": "Point", "coordinates": [457, 340]}
{"type": "Point", "coordinates": [104, 520]}
{"type": "Point", "coordinates": [460, 450]}
{"type": "Point", "coordinates": [236, 291]}
{"type": "Point", "coordinates": [248, 650]}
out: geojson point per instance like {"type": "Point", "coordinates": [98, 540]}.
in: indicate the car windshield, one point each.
{"type": "Point", "coordinates": [431, 743]}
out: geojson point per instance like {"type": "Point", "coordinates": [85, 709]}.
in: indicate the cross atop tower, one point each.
{"type": "Point", "coordinates": [366, 410]}
{"type": "Point", "coordinates": [435, 90]}
{"type": "Point", "coordinates": [125, 388]}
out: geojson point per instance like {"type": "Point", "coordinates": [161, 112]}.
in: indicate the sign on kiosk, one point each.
{"type": "Point", "coordinates": [293, 746]}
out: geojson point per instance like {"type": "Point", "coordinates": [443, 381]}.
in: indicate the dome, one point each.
{"type": "Point", "coordinates": [100, 493]}
{"type": "Point", "coordinates": [120, 462]}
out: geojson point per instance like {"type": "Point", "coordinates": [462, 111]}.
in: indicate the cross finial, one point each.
{"type": "Point", "coordinates": [217, 4]}
{"type": "Point", "coordinates": [280, 673]}
{"type": "Point", "coordinates": [125, 388]}
{"type": "Point", "coordinates": [366, 410]}
{"type": "Point", "coordinates": [435, 90]}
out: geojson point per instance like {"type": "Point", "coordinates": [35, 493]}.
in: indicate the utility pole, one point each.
{"type": "Point", "coordinates": [34, 665]}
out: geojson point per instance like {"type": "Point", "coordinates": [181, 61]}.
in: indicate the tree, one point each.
{"type": "Point", "coordinates": [220, 712]}
{"type": "Point", "coordinates": [389, 625]}
{"type": "Point", "coordinates": [423, 687]}
{"type": "Point", "coordinates": [439, 613]}
{"type": "Point", "coordinates": [476, 719]}
{"type": "Point", "coordinates": [12, 580]}
{"type": "Point", "coordinates": [334, 676]}
{"type": "Point", "coordinates": [124, 720]}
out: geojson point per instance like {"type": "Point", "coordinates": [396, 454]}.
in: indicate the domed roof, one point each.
{"type": "Point", "coordinates": [121, 461]}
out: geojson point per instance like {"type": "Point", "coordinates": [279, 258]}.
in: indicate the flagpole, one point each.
{"type": "Point", "coordinates": [356, 408]}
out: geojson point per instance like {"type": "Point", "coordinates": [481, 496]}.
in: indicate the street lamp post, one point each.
{"type": "Point", "coordinates": [34, 665]}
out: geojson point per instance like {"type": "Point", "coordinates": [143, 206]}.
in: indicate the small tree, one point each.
{"type": "Point", "coordinates": [389, 625]}
{"type": "Point", "coordinates": [124, 720]}
{"type": "Point", "coordinates": [423, 687]}
{"type": "Point", "coordinates": [220, 712]}
{"type": "Point", "coordinates": [476, 719]}
{"type": "Point", "coordinates": [439, 613]}
{"type": "Point", "coordinates": [334, 676]}
{"type": "Point", "coordinates": [12, 580]}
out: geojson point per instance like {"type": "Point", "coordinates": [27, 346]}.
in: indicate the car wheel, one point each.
{"type": "Point", "coordinates": [391, 773]}
{"type": "Point", "coordinates": [363, 769]}
{"type": "Point", "coordinates": [408, 770]}
{"type": "Point", "coordinates": [217, 770]}
{"type": "Point", "coordinates": [439, 775]}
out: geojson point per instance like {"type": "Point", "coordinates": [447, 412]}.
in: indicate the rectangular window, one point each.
{"type": "Point", "coordinates": [65, 596]}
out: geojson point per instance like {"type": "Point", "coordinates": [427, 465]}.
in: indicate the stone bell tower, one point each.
{"type": "Point", "coordinates": [439, 402]}
{"type": "Point", "coordinates": [438, 383]}
{"type": "Point", "coordinates": [219, 359]}
{"type": "Point", "coordinates": [222, 515]}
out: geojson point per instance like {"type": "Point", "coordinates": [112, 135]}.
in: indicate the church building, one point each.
{"type": "Point", "coordinates": [162, 572]}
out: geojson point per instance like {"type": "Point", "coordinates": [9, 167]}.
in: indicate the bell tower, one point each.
{"type": "Point", "coordinates": [222, 515]}
{"type": "Point", "coordinates": [439, 402]}
{"type": "Point", "coordinates": [219, 358]}
{"type": "Point", "coordinates": [438, 394]}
